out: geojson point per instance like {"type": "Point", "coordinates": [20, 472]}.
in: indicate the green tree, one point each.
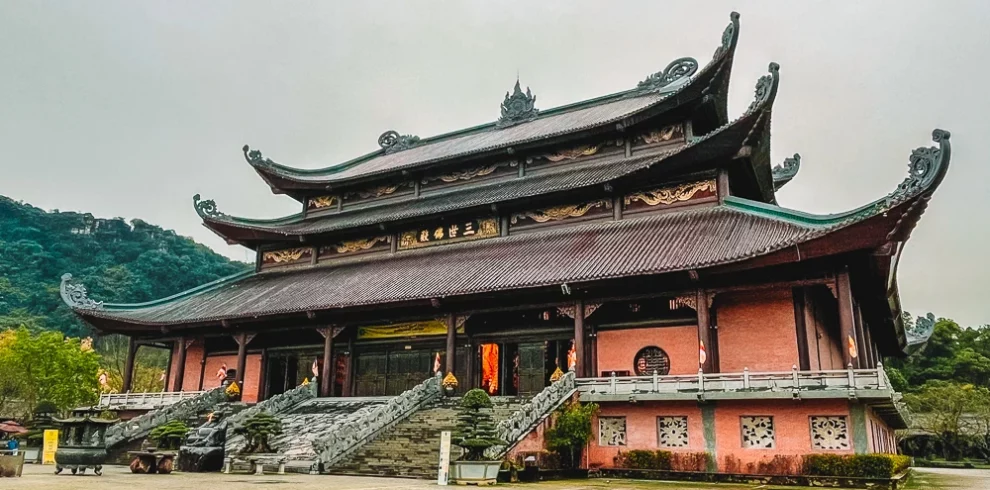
{"type": "Point", "coordinates": [571, 431]}
{"type": "Point", "coordinates": [49, 366]}
{"type": "Point", "coordinates": [939, 408]}
{"type": "Point", "coordinates": [258, 430]}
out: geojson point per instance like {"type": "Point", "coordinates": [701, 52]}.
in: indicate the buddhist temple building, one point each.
{"type": "Point", "coordinates": [634, 240]}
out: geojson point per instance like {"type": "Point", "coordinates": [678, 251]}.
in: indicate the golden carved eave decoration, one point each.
{"type": "Point", "coordinates": [360, 244]}
{"type": "Point", "coordinates": [573, 153]}
{"type": "Point", "coordinates": [568, 311]}
{"type": "Point", "coordinates": [561, 212]}
{"type": "Point", "coordinates": [379, 191]}
{"type": "Point", "coordinates": [322, 202]}
{"type": "Point", "coordinates": [664, 134]}
{"type": "Point", "coordinates": [670, 195]}
{"type": "Point", "coordinates": [283, 256]}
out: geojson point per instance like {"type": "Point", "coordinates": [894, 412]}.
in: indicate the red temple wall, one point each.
{"type": "Point", "coordinates": [792, 431]}
{"type": "Point", "coordinates": [756, 330]}
{"type": "Point", "coordinates": [641, 429]}
{"type": "Point", "coordinates": [617, 348]}
{"type": "Point", "coordinates": [252, 373]}
{"type": "Point", "coordinates": [881, 437]}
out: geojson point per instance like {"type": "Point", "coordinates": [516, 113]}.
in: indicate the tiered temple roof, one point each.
{"type": "Point", "coordinates": [598, 154]}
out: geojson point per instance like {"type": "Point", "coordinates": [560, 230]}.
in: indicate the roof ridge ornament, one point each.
{"type": "Point", "coordinates": [75, 295]}
{"type": "Point", "coordinates": [926, 169]}
{"type": "Point", "coordinates": [679, 69]}
{"type": "Point", "coordinates": [207, 208]}
{"type": "Point", "coordinates": [922, 330]}
{"type": "Point", "coordinates": [391, 141]}
{"type": "Point", "coordinates": [254, 157]}
{"type": "Point", "coordinates": [784, 172]}
{"type": "Point", "coordinates": [729, 36]}
{"type": "Point", "coordinates": [517, 108]}
{"type": "Point", "coordinates": [766, 88]}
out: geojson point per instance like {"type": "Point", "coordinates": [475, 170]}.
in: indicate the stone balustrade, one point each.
{"type": "Point", "coordinates": [842, 383]}
{"type": "Point", "coordinates": [524, 420]}
{"type": "Point", "coordinates": [138, 427]}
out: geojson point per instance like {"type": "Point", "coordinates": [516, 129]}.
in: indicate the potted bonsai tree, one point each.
{"type": "Point", "coordinates": [169, 435]}
{"type": "Point", "coordinates": [476, 433]}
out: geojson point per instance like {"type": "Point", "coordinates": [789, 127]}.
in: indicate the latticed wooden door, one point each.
{"type": "Point", "coordinates": [532, 367]}
{"type": "Point", "coordinates": [406, 369]}
{"type": "Point", "coordinates": [370, 374]}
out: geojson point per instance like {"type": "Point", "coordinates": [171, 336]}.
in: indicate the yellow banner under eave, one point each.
{"type": "Point", "coordinates": [410, 329]}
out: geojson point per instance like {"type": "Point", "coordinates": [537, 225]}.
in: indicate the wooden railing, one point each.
{"type": "Point", "coordinates": [144, 401]}
{"type": "Point", "coordinates": [830, 383]}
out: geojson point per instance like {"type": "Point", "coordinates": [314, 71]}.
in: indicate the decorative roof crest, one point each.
{"type": "Point", "coordinates": [75, 296]}
{"type": "Point", "coordinates": [926, 169]}
{"type": "Point", "coordinates": [391, 141]}
{"type": "Point", "coordinates": [517, 108]}
{"type": "Point", "coordinates": [207, 208]}
{"type": "Point", "coordinates": [922, 330]}
{"type": "Point", "coordinates": [255, 157]}
{"type": "Point", "coordinates": [681, 68]}
{"type": "Point", "coordinates": [729, 36]}
{"type": "Point", "coordinates": [783, 173]}
{"type": "Point", "coordinates": [766, 88]}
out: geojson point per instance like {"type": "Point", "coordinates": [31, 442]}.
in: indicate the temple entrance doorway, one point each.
{"type": "Point", "coordinates": [286, 370]}
{"type": "Point", "coordinates": [521, 368]}
{"type": "Point", "coordinates": [388, 370]}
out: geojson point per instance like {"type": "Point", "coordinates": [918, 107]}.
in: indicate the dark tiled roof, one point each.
{"type": "Point", "coordinates": [555, 122]}
{"type": "Point", "coordinates": [682, 240]}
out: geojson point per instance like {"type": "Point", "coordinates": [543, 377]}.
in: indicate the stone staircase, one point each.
{"type": "Point", "coordinates": [306, 422]}
{"type": "Point", "coordinates": [411, 448]}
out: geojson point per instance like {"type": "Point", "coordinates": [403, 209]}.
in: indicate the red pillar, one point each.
{"type": "Point", "coordinates": [129, 365]}
{"type": "Point", "coordinates": [326, 386]}
{"type": "Point", "coordinates": [242, 341]}
{"type": "Point", "coordinates": [180, 362]}
{"type": "Point", "coordinates": [704, 333]}
{"type": "Point", "coordinates": [451, 345]}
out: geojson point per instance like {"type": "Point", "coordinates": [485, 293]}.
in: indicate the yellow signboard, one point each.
{"type": "Point", "coordinates": [49, 447]}
{"type": "Point", "coordinates": [411, 329]}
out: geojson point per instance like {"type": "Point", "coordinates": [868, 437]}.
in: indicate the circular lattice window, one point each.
{"type": "Point", "coordinates": [650, 359]}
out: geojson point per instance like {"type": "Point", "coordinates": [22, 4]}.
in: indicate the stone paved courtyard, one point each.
{"type": "Point", "coordinates": [120, 478]}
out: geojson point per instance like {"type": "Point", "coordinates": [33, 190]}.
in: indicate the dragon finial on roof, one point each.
{"type": "Point", "coordinates": [391, 141]}
{"type": "Point", "coordinates": [207, 208]}
{"type": "Point", "coordinates": [783, 173]}
{"type": "Point", "coordinates": [75, 295]}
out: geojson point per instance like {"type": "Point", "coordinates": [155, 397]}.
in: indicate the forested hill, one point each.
{"type": "Point", "coordinates": [116, 260]}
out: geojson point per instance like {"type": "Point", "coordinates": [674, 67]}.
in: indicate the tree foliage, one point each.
{"type": "Point", "coordinates": [953, 353]}
{"type": "Point", "coordinates": [258, 430]}
{"type": "Point", "coordinates": [571, 430]}
{"type": "Point", "coordinates": [46, 366]}
{"type": "Point", "coordinates": [169, 435]}
{"type": "Point", "coordinates": [116, 260]}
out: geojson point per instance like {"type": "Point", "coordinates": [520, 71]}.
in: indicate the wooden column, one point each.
{"type": "Point", "coordinates": [348, 368]}
{"type": "Point", "coordinates": [242, 342]}
{"type": "Point", "coordinates": [451, 347]}
{"type": "Point", "coordinates": [132, 347]}
{"type": "Point", "coordinates": [326, 380]}
{"type": "Point", "coordinates": [847, 322]}
{"type": "Point", "coordinates": [579, 338]}
{"type": "Point", "coordinates": [472, 350]}
{"type": "Point", "coordinates": [180, 361]}
{"type": "Point", "coordinates": [592, 367]}
{"type": "Point", "coordinates": [704, 332]}
{"type": "Point", "coordinates": [861, 347]}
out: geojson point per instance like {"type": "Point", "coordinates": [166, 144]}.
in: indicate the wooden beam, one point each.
{"type": "Point", "coordinates": [847, 322]}
{"type": "Point", "coordinates": [451, 346]}
{"type": "Point", "coordinates": [704, 332]}
{"type": "Point", "coordinates": [348, 367]}
{"type": "Point", "coordinates": [579, 338]}
{"type": "Point", "coordinates": [326, 388]}
{"type": "Point", "coordinates": [181, 363]}
{"type": "Point", "coordinates": [132, 347]}
{"type": "Point", "coordinates": [804, 358]}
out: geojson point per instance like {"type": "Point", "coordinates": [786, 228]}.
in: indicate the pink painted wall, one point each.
{"type": "Point", "coordinates": [641, 429]}
{"type": "Point", "coordinates": [882, 439]}
{"type": "Point", "coordinates": [792, 429]}
{"type": "Point", "coordinates": [617, 348]}
{"type": "Point", "coordinates": [252, 373]}
{"type": "Point", "coordinates": [756, 330]}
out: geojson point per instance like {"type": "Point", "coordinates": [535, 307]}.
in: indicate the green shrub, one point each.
{"type": "Point", "coordinates": [476, 426]}
{"type": "Point", "coordinates": [571, 431]}
{"type": "Point", "coordinates": [169, 435]}
{"type": "Point", "coordinates": [855, 465]}
{"type": "Point", "coordinates": [259, 430]}
{"type": "Point", "coordinates": [699, 462]}
{"type": "Point", "coordinates": [643, 459]}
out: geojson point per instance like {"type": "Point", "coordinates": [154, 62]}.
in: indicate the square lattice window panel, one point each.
{"type": "Point", "coordinates": [757, 432]}
{"type": "Point", "coordinates": [830, 433]}
{"type": "Point", "coordinates": [672, 431]}
{"type": "Point", "coordinates": [612, 431]}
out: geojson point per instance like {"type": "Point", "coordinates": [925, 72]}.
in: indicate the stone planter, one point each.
{"type": "Point", "coordinates": [477, 472]}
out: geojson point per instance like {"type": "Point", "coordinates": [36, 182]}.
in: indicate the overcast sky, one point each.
{"type": "Point", "coordinates": [129, 108]}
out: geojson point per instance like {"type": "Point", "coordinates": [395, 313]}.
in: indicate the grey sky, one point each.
{"type": "Point", "coordinates": [129, 108]}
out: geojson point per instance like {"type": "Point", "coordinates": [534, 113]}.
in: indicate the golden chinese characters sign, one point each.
{"type": "Point", "coordinates": [449, 233]}
{"type": "Point", "coordinates": [410, 329]}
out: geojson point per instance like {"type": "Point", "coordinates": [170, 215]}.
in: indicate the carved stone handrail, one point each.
{"type": "Point", "coordinates": [839, 383]}
{"type": "Point", "coordinates": [143, 401]}
{"type": "Point", "coordinates": [274, 406]}
{"type": "Point", "coordinates": [355, 430]}
{"type": "Point", "coordinates": [140, 426]}
{"type": "Point", "coordinates": [524, 420]}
